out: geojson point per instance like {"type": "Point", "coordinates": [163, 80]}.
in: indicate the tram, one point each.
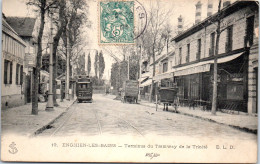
{"type": "Point", "coordinates": [84, 90]}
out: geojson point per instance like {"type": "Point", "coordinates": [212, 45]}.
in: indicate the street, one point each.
{"type": "Point", "coordinates": [106, 116]}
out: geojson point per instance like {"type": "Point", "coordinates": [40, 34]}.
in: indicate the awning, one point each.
{"type": "Point", "coordinates": [142, 78]}
{"type": "Point", "coordinates": [255, 64]}
{"type": "Point", "coordinates": [203, 66]}
{"type": "Point", "coordinates": [148, 82]}
{"type": "Point", "coordinates": [163, 76]}
{"type": "Point", "coordinates": [196, 69]}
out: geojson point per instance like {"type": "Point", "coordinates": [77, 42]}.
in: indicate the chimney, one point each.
{"type": "Point", "coordinates": [226, 3]}
{"type": "Point", "coordinates": [180, 24]}
{"type": "Point", "coordinates": [198, 12]}
{"type": "Point", "coordinates": [210, 8]}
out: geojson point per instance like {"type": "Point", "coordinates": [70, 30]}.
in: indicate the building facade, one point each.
{"type": "Point", "coordinates": [13, 52]}
{"type": "Point", "coordinates": [26, 28]}
{"type": "Point", "coordinates": [237, 59]}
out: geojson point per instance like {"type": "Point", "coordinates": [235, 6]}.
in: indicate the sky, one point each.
{"type": "Point", "coordinates": [186, 8]}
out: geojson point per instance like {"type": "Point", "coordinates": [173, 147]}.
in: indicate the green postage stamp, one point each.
{"type": "Point", "coordinates": [116, 22]}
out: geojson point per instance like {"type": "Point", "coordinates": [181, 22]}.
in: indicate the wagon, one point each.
{"type": "Point", "coordinates": [168, 96]}
{"type": "Point", "coordinates": [129, 92]}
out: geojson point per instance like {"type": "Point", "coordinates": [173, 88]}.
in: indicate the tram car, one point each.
{"type": "Point", "coordinates": [84, 89]}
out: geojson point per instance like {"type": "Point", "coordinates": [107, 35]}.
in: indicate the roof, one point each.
{"type": "Point", "coordinates": [159, 59]}
{"type": "Point", "coordinates": [22, 25]}
{"type": "Point", "coordinates": [10, 31]}
{"type": "Point", "coordinates": [230, 9]}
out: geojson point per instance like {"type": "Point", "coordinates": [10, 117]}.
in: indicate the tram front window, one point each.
{"type": "Point", "coordinates": [84, 86]}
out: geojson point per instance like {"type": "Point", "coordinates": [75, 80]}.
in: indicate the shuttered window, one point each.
{"type": "Point", "coordinates": [5, 71]}
{"type": "Point", "coordinates": [21, 75]}
{"type": "Point", "coordinates": [8, 70]}
{"type": "Point", "coordinates": [11, 72]}
{"type": "Point", "coordinates": [17, 74]}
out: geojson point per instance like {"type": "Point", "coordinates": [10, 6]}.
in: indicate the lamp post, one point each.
{"type": "Point", "coordinates": [49, 106]}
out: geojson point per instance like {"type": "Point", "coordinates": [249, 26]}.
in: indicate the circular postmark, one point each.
{"type": "Point", "coordinates": [140, 19]}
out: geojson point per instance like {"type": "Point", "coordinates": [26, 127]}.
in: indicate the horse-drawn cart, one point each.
{"type": "Point", "coordinates": [129, 92]}
{"type": "Point", "coordinates": [168, 96]}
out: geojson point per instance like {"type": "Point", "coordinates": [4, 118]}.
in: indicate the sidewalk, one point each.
{"type": "Point", "coordinates": [19, 120]}
{"type": "Point", "coordinates": [240, 121]}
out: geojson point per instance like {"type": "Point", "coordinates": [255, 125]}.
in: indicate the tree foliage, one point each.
{"type": "Point", "coordinates": [101, 64]}
{"type": "Point", "coordinates": [89, 64]}
{"type": "Point", "coordinates": [80, 66]}
{"type": "Point", "coordinates": [119, 71]}
{"type": "Point", "coordinates": [96, 65]}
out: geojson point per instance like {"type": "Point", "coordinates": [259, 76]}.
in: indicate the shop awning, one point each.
{"type": "Point", "coordinates": [203, 66]}
{"type": "Point", "coordinates": [146, 83]}
{"type": "Point", "coordinates": [142, 79]}
{"type": "Point", "coordinates": [163, 76]}
{"type": "Point", "coordinates": [192, 70]}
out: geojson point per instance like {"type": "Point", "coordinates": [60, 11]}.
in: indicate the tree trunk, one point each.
{"type": "Point", "coordinates": [152, 86]}
{"type": "Point", "coordinates": [36, 73]}
{"type": "Point", "coordinates": [67, 80]}
{"type": "Point", "coordinates": [56, 40]}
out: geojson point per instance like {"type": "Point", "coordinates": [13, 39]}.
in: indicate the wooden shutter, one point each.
{"type": "Point", "coordinates": [5, 71]}
{"type": "Point", "coordinates": [21, 75]}
{"type": "Point", "coordinates": [11, 72]}
{"type": "Point", "coordinates": [17, 74]}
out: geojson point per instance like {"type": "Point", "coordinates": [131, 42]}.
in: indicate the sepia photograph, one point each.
{"type": "Point", "coordinates": [144, 81]}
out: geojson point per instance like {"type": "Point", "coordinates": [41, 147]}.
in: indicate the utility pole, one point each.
{"type": "Point", "coordinates": [49, 106]}
{"type": "Point", "coordinates": [215, 73]}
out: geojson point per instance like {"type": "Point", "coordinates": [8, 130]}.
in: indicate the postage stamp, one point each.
{"type": "Point", "coordinates": [116, 22]}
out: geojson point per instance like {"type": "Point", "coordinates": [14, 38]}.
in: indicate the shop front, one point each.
{"type": "Point", "coordinates": [195, 83]}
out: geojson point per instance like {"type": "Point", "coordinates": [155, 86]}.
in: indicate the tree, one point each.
{"type": "Point", "coordinates": [89, 64]}
{"type": "Point", "coordinates": [76, 17]}
{"type": "Point", "coordinates": [154, 40]}
{"type": "Point", "coordinates": [61, 24]}
{"type": "Point", "coordinates": [80, 65]}
{"type": "Point", "coordinates": [101, 65]}
{"type": "Point", "coordinates": [42, 6]}
{"type": "Point", "coordinates": [96, 64]}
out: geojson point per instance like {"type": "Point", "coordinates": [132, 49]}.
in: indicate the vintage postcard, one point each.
{"type": "Point", "coordinates": [172, 81]}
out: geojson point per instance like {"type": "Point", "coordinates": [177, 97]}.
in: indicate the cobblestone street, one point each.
{"type": "Point", "coordinates": [106, 116]}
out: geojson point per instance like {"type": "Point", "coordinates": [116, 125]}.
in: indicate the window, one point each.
{"type": "Point", "coordinates": [165, 67]}
{"type": "Point", "coordinates": [17, 79]}
{"type": "Point", "coordinates": [199, 50]}
{"type": "Point", "coordinates": [8, 65]}
{"type": "Point", "coordinates": [250, 30]}
{"type": "Point", "coordinates": [19, 74]}
{"type": "Point", "coordinates": [180, 55]}
{"type": "Point", "coordinates": [229, 38]}
{"type": "Point", "coordinates": [188, 53]}
{"type": "Point", "coordinates": [212, 44]}
{"type": "Point", "coordinates": [3, 41]}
